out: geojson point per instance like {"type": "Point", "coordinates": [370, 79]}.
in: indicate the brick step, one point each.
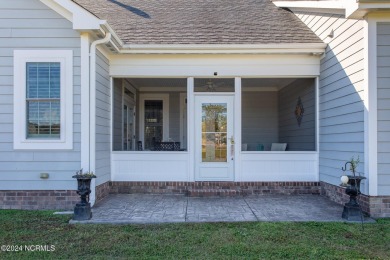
{"type": "Point", "coordinates": [202, 189]}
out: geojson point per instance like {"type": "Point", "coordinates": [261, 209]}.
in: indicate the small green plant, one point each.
{"type": "Point", "coordinates": [87, 174]}
{"type": "Point", "coordinates": [354, 164]}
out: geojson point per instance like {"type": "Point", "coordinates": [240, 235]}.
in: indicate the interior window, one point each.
{"type": "Point", "coordinates": [153, 122]}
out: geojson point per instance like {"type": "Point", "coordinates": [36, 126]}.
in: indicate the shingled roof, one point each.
{"type": "Point", "coordinates": [200, 21]}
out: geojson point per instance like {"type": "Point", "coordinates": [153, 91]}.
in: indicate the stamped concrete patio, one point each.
{"type": "Point", "coordinates": [142, 208]}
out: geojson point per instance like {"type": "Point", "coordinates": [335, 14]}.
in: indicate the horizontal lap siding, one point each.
{"type": "Point", "coordinates": [103, 114]}
{"type": "Point", "coordinates": [383, 63]}
{"type": "Point", "coordinates": [29, 24]}
{"type": "Point", "coordinates": [341, 89]}
{"type": "Point", "coordinates": [298, 137]}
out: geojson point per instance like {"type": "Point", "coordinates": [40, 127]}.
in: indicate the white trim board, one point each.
{"type": "Point", "coordinates": [65, 57]}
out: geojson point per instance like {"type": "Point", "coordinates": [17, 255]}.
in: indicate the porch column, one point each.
{"type": "Point", "coordinates": [237, 129]}
{"type": "Point", "coordinates": [190, 129]}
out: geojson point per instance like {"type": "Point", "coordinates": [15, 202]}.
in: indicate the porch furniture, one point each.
{"type": "Point", "coordinates": [278, 146]}
{"type": "Point", "coordinates": [167, 146]}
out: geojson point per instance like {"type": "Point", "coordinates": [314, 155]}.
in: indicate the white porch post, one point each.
{"type": "Point", "coordinates": [84, 101]}
{"type": "Point", "coordinates": [317, 124]}
{"type": "Point", "coordinates": [190, 129]}
{"type": "Point", "coordinates": [370, 103]}
{"type": "Point", "coordinates": [237, 129]}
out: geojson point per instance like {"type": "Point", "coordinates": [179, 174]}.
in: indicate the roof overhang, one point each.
{"type": "Point", "coordinates": [82, 19]}
{"type": "Point", "coordinates": [283, 48]}
{"type": "Point", "coordinates": [353, 9]}
{"type": "Point", "coordinates": [358, 9]}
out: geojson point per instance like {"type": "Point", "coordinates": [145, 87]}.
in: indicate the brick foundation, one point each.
{"type": "Point", "coordinates": [377, 207]}
{"type": "Point", "coordinates": [102, 191]}
{"type": "Point", "coordinates": [38, 199]}
{"type": "Point", "coordinates": [216, 188]}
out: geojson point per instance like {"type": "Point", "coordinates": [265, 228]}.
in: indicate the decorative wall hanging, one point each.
{"type": "Point", "coordinates": [299, 110]}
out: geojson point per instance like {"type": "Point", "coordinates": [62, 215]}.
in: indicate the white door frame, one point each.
{"type": "Point", "coordinates": [214, 171]}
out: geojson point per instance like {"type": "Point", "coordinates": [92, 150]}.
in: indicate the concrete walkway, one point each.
{"type": "Point", "coordinates": [141, 208]}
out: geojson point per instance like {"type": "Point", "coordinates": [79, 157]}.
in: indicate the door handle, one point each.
{"type": "Point", "coordinates": [232, 148]}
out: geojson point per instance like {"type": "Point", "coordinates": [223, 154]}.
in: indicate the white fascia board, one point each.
{"type": "Point", "coordinates": [357, 10]}
{"type": "Point", "coordinates": [82, 19]}
{"type": "Point", "coordinates": [317, 5]}
{"type": "Point", "coordinates": [297, 48]}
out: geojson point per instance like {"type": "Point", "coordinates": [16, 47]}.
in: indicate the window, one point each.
{"type": "Point", "coordinates": [43, 92]}
{"type": "Point", "coordinates": [154, 123]}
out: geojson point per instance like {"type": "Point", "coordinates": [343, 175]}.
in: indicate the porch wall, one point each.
{"type": "Point", "coordinates": [341, 90]}
{"type": "Point", "coordinates": [150, 166]}
{"type": "Point", "coordinates": [279, 166]}
{"type": "Point", "coordinates": [259, 118]}
{"type": "Point", "coordinates": [29, 24]}
{"type": "Point", "coordinates": [117, 115]}
{"type": "Point", "coordinates": [383, 64]}
{"type": "Point", "coordinates": [298, 137]}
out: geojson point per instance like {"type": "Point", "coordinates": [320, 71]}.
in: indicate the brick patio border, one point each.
{"type": "Point", "coordinates": [375, 206]}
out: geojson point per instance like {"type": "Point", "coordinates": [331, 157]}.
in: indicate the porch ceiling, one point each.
{"type": "Point", "coordinates": [181, 83]}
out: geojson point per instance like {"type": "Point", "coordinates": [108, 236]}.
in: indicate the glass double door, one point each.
{"type": "Point", "coordinates": [214, 138]}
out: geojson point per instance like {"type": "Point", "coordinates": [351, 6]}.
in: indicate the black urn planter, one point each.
{"type": "Point", "coordinates": [82, 210]}
{"type": "Point", "coordinates": [352, 210]}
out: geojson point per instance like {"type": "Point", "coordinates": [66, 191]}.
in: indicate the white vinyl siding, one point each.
{"type": "Point", "coordinates": [30, 25]}
{"type": "Point", "coordinates": [383, 63]}
{"type": "Point", "coordinates": [341, 108]}
{"type": "Point", "coordinates": [103, 114]}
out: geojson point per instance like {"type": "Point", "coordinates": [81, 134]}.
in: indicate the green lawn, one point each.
{"type": "Point", "coordinates": [256, 240]}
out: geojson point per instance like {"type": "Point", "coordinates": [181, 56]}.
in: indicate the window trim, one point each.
{"type": "Point", "coordinates": [65, 58]}
{"type": "Point", "coordinates": [165, 99]}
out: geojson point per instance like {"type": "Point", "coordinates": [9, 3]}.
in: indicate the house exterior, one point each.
{"type": "Point", "coordinates": [193, 97]}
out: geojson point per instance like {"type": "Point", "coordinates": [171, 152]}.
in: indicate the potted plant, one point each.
{"type": "Point", "coordinates": [352, 210]}
{"type": "Point", "coordinates": [82, 210]}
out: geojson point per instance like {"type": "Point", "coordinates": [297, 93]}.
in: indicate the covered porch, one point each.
{"type": "Point", "coordinates": [216, 128]}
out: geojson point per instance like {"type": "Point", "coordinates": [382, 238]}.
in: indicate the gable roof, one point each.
{"type": "Point", "coordinates": [200, 21]}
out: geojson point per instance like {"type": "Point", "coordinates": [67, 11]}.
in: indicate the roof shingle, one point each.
{"type": "Point", "coordinates": [200, 21]}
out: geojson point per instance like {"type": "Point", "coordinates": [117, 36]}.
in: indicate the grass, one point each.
{"type": "Point", "coordinates": [252, 240]}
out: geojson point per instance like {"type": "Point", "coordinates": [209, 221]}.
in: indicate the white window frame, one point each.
{"type": "Point", "coordinates": [65, 58]}
{"type": "Point", "coordinates": [165, 99]}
